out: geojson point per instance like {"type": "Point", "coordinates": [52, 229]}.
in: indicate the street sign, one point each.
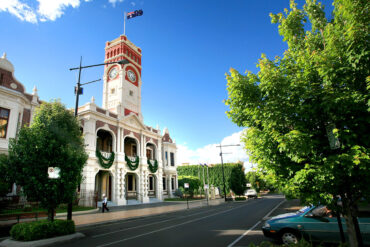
{"type": "Point", "coordinates": [186, 185]}
{"type": "Point", "coordinates": [54, 172]}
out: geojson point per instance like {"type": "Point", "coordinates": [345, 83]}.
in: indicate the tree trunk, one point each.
{"type": "Point", "coordinates": [51, 214]}
{"type": "Point", "coordinates": [353, 230]}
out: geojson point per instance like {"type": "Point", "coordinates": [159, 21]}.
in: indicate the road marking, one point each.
{"type": "Point", "coordinates": [134, 227]}
{"type": "Point", "coordinates": [169, 227]}
{"type": "Point", "coordinates": [245, 233]}
{"type": "Point", "coordinates": [255, 225]}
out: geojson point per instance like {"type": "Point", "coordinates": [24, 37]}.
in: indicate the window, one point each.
{"type": "Point", "coordinates": [112, 91]}
{"type": "Point", "coordinates": [164, 183]}
{"type": "Point", "coordinates": [1, 78]}
{"type": "Point", "coordinates": [134, 153]}
{"type": "Point", "coordinates": [172, 159]}
{"type": "Point", "coordinates": [173, 183]}
{"type": "Point", "coordinates": [4, 119]}
{"type": "Point", "coordinates": [149, 154]}
{"type": "Point", "coordinates": [166, 154]}
{"type": "Point", "coordinates": [131, 93]}
{"type": "Point", "coordinates": [151, 183]}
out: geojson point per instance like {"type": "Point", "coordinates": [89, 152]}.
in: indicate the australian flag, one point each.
{"type": "Point", "coordinates": [134, 14]}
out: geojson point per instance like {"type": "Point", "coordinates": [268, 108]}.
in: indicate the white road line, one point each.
{"type": "Point", "coordinates": [134, 227]}
{"type": "Point", "coordinates": [240, 237]}
{"type": "Point", "coordinates": [169, 227]}
{"type": "Point", "coordinates": [255, 225]}
{"type": "Point", "coordinates": [272, 210]}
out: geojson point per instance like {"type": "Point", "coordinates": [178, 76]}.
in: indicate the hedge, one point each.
{"type": "Point", "coordinates": [29, 231]}
{"type": "Point", "coordinates": [215, 174]}
{"type": "Point", "coordinates": [194, 184]}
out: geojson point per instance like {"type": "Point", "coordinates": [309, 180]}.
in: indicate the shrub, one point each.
{"type": "Point", "coordinates": [29, 231]}
{"type": "Point", "coordinates": [178, 192]}
{"type": "Point", "coordinates": [194, 184]}
{"type": "Point", "coordinates": [240, 198]}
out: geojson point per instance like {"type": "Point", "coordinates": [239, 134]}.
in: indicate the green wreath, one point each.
{"type": "Point", "coordinates": [132, 165]}
{"type": "Point", "coordinates": [105, 162]}
{"type": "Point", "coordinates": [153, 168]}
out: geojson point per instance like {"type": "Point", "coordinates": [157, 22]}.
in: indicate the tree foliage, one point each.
{"type": "Point", "coordinates": [237, 180]}
{"type": "Point", "coordinates": [52, 140]}
{"type": "Point", "coordinates": [214, 174]}
{"type": "Point", "coordinates": [6, 181]}
{"type": "Point", "coordinates": [307, 112]}
{"type": "Point", "coordinates": [194, 184]}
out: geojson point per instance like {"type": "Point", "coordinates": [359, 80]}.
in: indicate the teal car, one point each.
{"type": "Point", "coordinates": [316, 224]}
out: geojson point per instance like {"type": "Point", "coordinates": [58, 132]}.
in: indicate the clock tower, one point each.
{"type": "Point", "coordinates": [122, 83]}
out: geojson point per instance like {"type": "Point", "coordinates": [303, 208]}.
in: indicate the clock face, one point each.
{"type": "Point", "coordinates": [113, 73]}
{"type": "Point", "coordinates": [131, 75]}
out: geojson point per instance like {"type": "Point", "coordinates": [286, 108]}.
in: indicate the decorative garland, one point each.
{"type": "Point", "coordinates": [153, 168]}
{"type": "Point", "coordinates": [133, 165]}
{"type": "Point", "coordinates": [105, 162]}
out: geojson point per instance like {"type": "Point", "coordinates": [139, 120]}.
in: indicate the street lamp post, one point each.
{"type": "Point", "coordinates": [222, 164]}
{"type": "Point", "coordinates": [78, 91]}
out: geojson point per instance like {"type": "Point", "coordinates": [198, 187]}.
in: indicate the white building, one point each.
{"type": "Point", "coordinates": [127, 159]}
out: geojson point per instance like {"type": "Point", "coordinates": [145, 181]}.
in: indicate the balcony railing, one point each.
{"type": "Point", "coordinates": [132, 158]}
{"type": "Point", "coordinates": [105, 154]}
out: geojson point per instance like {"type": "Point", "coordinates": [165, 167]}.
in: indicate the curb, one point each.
{"type": "Point", "coordinates": [42, 242]}
{"type": "Point", "coordinates": [78, 212]}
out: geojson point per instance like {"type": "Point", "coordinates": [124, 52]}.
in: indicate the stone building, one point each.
{"type": "Point", "coordinates": [128, 161]}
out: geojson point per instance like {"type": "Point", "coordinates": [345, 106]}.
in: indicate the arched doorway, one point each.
{"type": "Point", "coordinates": [131, 186]}
{"type": "Point", "coordinates": [152, 188]}
{"type": "Point", "coordinates": [103, 184]}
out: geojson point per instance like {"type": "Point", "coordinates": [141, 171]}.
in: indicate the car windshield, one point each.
{"type": "Point", "coordinates": [303, 210]}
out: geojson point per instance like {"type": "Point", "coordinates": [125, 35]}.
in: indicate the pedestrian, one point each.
{"type": "Point", "coordinates": [105, 203]}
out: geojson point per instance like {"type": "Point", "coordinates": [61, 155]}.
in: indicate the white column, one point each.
{"type": "Point", "coordinates": [170, 195]}
{"type": "Point", "coordinates": [121, 192]}
{"type": "Point", "coordinates": [159, 188]}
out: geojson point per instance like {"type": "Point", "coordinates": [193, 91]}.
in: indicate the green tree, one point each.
{"type": "Point", "coordinates": [194, 184]}
{"type": "Point", "coordinates": [6, 181]}
{"type": "Point", "coordinates": [307, 112]}
{"type": "Point", "coordinates": [237, 180]}
{"type": "Point", "coordinates": [53, 140]}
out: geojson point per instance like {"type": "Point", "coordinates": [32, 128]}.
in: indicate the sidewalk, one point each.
{"type": "Point", "coordinates": [142, 210]}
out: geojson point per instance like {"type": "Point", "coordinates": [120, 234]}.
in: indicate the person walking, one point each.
{"type": "Point", "coordinates": [105, 203]}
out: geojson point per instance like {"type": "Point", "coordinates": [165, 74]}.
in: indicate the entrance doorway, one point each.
{"type": "Point", "coordinates": [152, 186]}
{"type": "Point", "coordinates": [131, 186]}
{"type": "Point", "coordinates": [103, 185]}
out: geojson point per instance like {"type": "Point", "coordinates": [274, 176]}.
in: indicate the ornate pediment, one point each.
{"type": "Point", "coordinates": [134, 121]}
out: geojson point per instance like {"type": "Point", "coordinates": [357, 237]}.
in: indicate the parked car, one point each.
{"type": "Point", "coordinates": [252, 193]}
{"type": "Point", "coordinates": [315, 223]}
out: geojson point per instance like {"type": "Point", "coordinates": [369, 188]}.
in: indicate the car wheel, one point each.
{"type": "Point", "coordinates": [289, 237]}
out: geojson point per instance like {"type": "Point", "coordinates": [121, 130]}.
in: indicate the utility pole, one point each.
{"type": "Point", "coordinates": [222, 164]}
{"type": "Point", "coordinates": [78, 91]}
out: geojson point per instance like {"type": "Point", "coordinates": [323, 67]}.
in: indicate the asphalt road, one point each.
{"type": "Point", "coordinates": [229, 224]}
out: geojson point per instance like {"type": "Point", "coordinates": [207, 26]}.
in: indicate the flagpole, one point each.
{"type": "Point", "coordinates": [124, 24]}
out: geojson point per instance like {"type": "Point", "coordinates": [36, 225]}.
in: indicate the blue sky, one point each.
{"type": "Point", "coordinates": [187, 47]}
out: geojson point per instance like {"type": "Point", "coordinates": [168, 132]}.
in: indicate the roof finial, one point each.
{"type": "Point", "coordinates": [34, 90]}
{"type": "Point", "coordinates": [93, 100]}
{"type": "Point", "coordinates": [4, 55]}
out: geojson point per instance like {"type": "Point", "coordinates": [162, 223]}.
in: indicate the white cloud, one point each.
{"type": "Point", "coordinates": [46, 10]}
{"type": "Point", "coordinates": [21, 10]}
{"type": "Point", "coordinates": [51, 10]}
{"type": "Point", "coordinates": [210, 154]}
{"type": "Point", "coordinates": [113, 2]}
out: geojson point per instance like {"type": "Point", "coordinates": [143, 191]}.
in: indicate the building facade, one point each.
{"type": "Point", "coordinates": [128, 161]}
